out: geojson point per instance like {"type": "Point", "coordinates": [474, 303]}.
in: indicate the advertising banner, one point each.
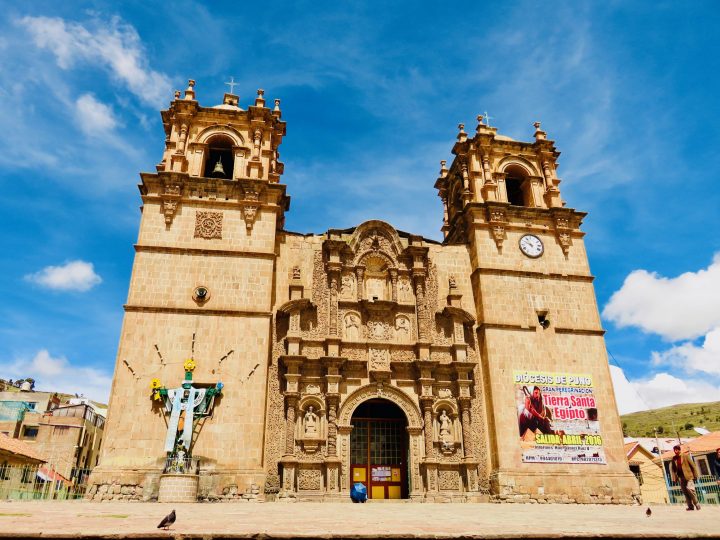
{"type": "Point", "coordinates": [558, 418]}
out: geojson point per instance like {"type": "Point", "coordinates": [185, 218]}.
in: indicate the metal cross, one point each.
{"type": "Point", "coordinates": [487, 118]}
{"type": "Point", "coordinates": [231, 84]}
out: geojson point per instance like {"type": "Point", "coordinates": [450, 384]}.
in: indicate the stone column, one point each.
{"type": "Point", "coordinates": [332, 426]}
{"type": "Point", "coordinates": [360, 274]}
{"type": "Point", "coordinates": [465, 423]}
{"type": "Point", "coordinates": [393, 283]}
{"type": "Point", "coordinates": [420, 300]}
{"type": "Point", "coordinates": [290, 426]}
{"type": "Point", "coordinates": [334, 303]}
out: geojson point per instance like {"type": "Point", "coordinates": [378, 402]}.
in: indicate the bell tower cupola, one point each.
{"type": "Point", "coordinates": [222, 152]}
{"type": "Point", "coordinates": [495, 171]}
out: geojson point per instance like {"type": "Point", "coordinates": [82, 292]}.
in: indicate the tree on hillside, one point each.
{"type": "Point", "coordinates": [688, 425]}
{"type": "Point", "coordinates": [660, 429]}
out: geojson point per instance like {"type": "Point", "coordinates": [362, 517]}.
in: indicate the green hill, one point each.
{"type": "Point", "coordinates": [669, 420]}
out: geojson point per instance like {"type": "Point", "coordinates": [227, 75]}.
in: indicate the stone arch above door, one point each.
{"type": "Point", "coordinates": [380, 391]}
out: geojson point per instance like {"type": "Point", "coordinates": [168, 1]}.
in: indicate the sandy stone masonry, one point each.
{"type": "Point", "coordinates": [303, 329]}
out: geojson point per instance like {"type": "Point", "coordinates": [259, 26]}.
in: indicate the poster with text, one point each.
{"type": "Point", "coordinates": [557, 418]}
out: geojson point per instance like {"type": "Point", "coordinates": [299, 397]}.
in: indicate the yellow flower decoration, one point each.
{"type": "Point", "coordinates": [189, 364]}
{"type": "Point", "coordinates": [156, 395]}
{"type": "Point", "coordinates": [155, 384]}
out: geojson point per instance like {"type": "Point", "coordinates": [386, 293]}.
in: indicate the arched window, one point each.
{"type": "Point", "coordinates": [220, 161]}
{"type": "Point", "coordinates": [517, 186]}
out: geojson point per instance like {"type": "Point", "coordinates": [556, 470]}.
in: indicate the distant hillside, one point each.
{"type": "Point", "coordinates": [667, 420]}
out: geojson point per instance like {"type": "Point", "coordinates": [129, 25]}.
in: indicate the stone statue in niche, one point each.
{"type": "Point", "coordinates": [352, 327]}
{"type": "Point", "coordinates": [311, 420]}
{"type": "Point", "coordinates": [402, 328]}
{"type": "Point", "coordinates": [445, 425]}
{"type": "Point", "coordinates": [347, 288]}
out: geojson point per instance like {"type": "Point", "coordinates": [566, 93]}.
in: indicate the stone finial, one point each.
{"type": "Point", "coordinates": [480, 123]}
{"type": "Point", "coordinates": [276, 110]}
{"type": "Point", "coordinates": [462, 136]}
{"type": "Point", "coordinates": [443, 168]}
{"type": "Point", "coordinates": [190, 91]}
{"type": "Point", "coordinates": [540, 135]}
{"type": "Point", "coordinates": [260, 100]}
{"type": "Point", "coordinates": [177, 94]}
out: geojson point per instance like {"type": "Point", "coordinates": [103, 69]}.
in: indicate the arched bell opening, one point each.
{"type": "Point", "coordinates": [379, 449]}
{"type": "Point", "coordinates": [517, 186]}
{"type": "Point", "coordinates": [219, 161]}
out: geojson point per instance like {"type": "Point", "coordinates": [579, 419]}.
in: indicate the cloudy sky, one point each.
{"type": "Point", "coordinates": [372, 93]}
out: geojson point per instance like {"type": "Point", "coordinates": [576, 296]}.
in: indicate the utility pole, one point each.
{"type": "Point", "coordinates": [662, 465]}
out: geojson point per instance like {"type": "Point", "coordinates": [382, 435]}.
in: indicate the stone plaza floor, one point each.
{"type": "Point", "coordinates": [79, 519]}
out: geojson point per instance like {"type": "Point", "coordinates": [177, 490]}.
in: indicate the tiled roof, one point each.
{"type": "Point", "coordinates": [15, 446]}
{"type": "Point", "coordinates": [629, 447]}
{"type": "Point", "coordinates": [698, 445]}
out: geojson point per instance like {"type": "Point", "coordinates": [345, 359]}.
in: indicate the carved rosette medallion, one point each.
{"type": "Point", "coordinates": [208, 224]}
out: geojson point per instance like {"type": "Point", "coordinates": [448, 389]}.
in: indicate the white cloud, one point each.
{"type": "Point", "coordinates": [660, 390]}
{"type": "Point", "coordinates": [113, 45]}
{"type": "Point", "coordinates": [57, 374]}
{"type": "Point", "coordinates": [72, 276]}
{"type": "Point", "coordinates": [683, 307]}
{"type": "Point", "coordinates": [705, 358]}
{"type": "Point", "coordinates": [93, 116]}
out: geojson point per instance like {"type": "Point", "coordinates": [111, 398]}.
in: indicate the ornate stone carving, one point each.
{"type": "Point", "coordinates": [347, 288]}
{"type": "Point", "coordinates": [498, 220]}
{"type": "Point", "coordinates": [405, 293]}
{"type": "Point", "coordinates": [352, 327]}
{"type": "Point", "coordinates": [169, 208]}
{"type": "Point", "coordinates": [208, 224]}
{"type": "Point", "coordinates": [403, 333]}
{"type": "Point", "coordinates": [250, 205]}
{"type": "Point", "coordinates": [379, 360]}
{"type": "Point", "coordinates": [448, 480]}
{"type": "Point", "coordinates": [309, 479]}
{"type": "Point", "coordinates": [379, 329]}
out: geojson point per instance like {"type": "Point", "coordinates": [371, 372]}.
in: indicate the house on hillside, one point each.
{"type": "Point", "coordinates": [704, 452]}
{"type": "Point", "coordinates": [646, 468]}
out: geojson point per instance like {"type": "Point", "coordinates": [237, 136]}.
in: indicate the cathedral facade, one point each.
{"type": "Point", "coordinates": [471, 369]}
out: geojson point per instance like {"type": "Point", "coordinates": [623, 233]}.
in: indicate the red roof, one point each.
{"type": "Point", "coordinates": [20, 448]}
{"type": "Point", "coordinates": [699, 445]}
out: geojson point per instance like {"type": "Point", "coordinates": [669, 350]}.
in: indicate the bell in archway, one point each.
{"type": "Point", "coordinates": [218, 170]}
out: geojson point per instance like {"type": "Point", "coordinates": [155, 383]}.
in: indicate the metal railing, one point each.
{"type": "Point", "coordinates": [28, 482]}
{"type": "Point", "coordinates": [706, 487]}
{"type": "Point", "coordinates": [181, 465]}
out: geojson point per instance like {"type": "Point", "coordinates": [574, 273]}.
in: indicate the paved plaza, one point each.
{"type": "Point", "coordinates": [73, 519]}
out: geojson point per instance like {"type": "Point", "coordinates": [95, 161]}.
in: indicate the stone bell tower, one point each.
{"type": "Point", "coordinates": [537, 322]}
{"type": "Point", "coordinates": [201, 289]}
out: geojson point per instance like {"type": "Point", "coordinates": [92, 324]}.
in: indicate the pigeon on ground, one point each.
{"type": "Point", "coordinates": [648, 512]}
{"type": "Point", "coordinates": [167, 521]}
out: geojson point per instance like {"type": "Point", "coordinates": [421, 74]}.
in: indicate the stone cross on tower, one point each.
{"type": "Point", "coordinates": [231, 84]}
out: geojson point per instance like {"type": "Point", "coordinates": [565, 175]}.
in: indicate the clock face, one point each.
{"type": "Point", "coordinates": [531, 246]}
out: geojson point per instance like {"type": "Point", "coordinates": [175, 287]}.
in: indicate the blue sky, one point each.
{"type": "Point", "coordinates": [372, 93]}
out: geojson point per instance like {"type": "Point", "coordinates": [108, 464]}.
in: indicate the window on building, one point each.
{"type": "Point", "coordinates": [31, 405]}
{"type": "Point", "coordinates": [703, 466]}
{"type": "Point", "coordinates": [59, 431]}
{"type": "Point", "coordinates": [4, 471]}
{"type": "Point", "coordinates": [28, 475]}
{"type": "Point", "coordinates": [219, 161]}
{"type": "Point", "coordinates": [30, 432]}
{"type": "Point", "coordinates": [638, 474]}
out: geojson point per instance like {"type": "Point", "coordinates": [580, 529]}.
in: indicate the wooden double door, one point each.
{"type": "Point", "coordinates": [378, 450]}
